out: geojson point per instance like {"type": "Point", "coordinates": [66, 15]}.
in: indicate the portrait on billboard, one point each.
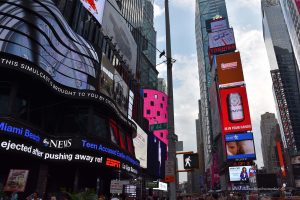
{"type": "Point", "coordinates": [239, 173]}
{"type": "Point", "coordinates": [235, 110]}
{"type": "Point", "coordinates": [240, 146]}
{"type": "Point", "coordinates": [16, 181]}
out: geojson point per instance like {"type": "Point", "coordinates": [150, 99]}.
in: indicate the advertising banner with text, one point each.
{"type": "Point", "coordinates": [229, 69]}
{"type": "Point", "coordinates": [235, 110]}
{"type": "Point", "coordinates": [221, 41]}
{"type": "Point", "coordinates": [21, 139]}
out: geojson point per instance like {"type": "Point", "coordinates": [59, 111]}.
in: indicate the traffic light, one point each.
{"type": "Point", "coordinates": [190, 161]}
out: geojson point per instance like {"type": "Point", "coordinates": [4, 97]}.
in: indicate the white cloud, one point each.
{"type": "Point", "coordinates": [258, 79]}
{"type": "Point", "coordinates": [158, 11]}
{"type": "Point", "coordinates": [185, 4]}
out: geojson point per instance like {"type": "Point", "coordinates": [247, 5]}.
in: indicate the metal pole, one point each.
{"type": "Point", "coordinates": [171, 129]}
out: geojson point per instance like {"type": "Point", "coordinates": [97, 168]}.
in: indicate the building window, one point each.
{"type": "Point", "coordinates": [145, 95]}
{"type": "Point", "coordinates": [163, 98]}
{"type": "Point", "coordinates": [151, 103]}
{"type": "Point", "coordinates": [161, 134]}
{"type": "Point", "coordinates": [148, 112]}
{"type": "Point", "coordinates": [158, 113]}
{"type": "Point", "coordinates": [161, 105]}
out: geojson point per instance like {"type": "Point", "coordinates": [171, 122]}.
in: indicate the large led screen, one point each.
{"type": "Point", "coordinates": [156, 111]}
{"type": "Point", "coordinates": [157, 155]}
{"type": "Point", "coordinates": [50, 43]}
{"type": "Point", "coordinates": [115, 26]}
{"type": "Point", "coordinates": [52, 52]}
{"type": "Point", "coordinates": [241, 173]}
{"type": "Point", "coordinates": [229, 68]}
{"type": "Point", "coordinates": [240, 146]}
{"type": "Point", "coordinates": [95, 7]}
{"type": "Point", "coordinates": [235, 110]}
{"type": "Point", "coordinates": [140, 145]}
{"type": "Point", "coordinates": [218, 25]}
{"type": "Point", "coordinates": [221, 41]}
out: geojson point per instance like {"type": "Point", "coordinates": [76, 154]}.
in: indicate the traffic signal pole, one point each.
{"type": "Point", "coordinates": [171, 128]}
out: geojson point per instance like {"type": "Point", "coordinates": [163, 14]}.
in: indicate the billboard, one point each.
{"type": "Point", "coordinates": [280, 157]}
{"type": "Point", "coordinates": [156, 112]}
{"type": "Point", "coordinates": [140, 146]}
{"type": "Point", "coordinates": [218, 25]}
{"type": "Point", "coordinates": [16, 181]}
{"type": "Point", "coordinates": [240, 146]}
{"type": "Point", "coordinates": [240, 173]}
{"type": "Point", "coordinates": [157, 154]}
{"type": "Point", "coordinates": [115, 27]}
{"type": "Point", "coordinates": [229, 68]}
{"type": "Point", "coordinates": [221, 41]}
{"type": "Point", "coordinates": [95, 7]}
{"type": "Point", "coordinates": [235, 112]}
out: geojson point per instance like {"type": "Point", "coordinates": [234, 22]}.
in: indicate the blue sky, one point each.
{"type": "Point", "coordinates": [245, 18]}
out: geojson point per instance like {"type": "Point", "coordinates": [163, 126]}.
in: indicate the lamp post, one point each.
{"type": "Point", "coordinates": [171, 128]}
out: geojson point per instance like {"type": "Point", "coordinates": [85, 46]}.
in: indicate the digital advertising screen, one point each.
{"type": "Point", "coordinates": [240, 173]}
{"type": "Point", "coordinates": [140, 145]}
{"type": "Point", "coordinates": [229, 68]}
{"type": "Point", "coordinates": [218, 25]}
{"type": "Point", "coordinates": [240, 146]}
{"type": "Point", "coordinates": [221, 41]}
{"type": "Point", "coordinates": [235, 112]}
{"type": "Point", "coordinates": [115, 27]}
{"type": "Point", "coordinates": [157, 155]}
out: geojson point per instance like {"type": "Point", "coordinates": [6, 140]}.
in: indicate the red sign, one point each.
{"type": "Point", "coordinates": [169, 179]}
{"type": "Point", "coordinates": [113, 163]}
{"type": "Point", "coordinates": [235, 110]}
{"type": "Point", "coordinates": [280, 156]}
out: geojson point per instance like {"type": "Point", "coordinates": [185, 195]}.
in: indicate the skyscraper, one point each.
{"type": "Point", "coordinates": [291, 9]}
{"type": "Point", "coordinates": [206, 10]}
{"type": "Point", "coordinates": [268, 126]}
{"type": "Point", "coordinates": [284, 72]}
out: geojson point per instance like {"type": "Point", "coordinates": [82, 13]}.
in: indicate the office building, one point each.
{"type": "Point", "coordinates": [292, 18]}
{"type": "Point", "coordinates": [68, 86]}
{"type": "Point", "coordinates": [284, 73]}
{"type": "Point", "coordinates": [268, 125]}
{"type": "Point", "coordinates": [206, 10]}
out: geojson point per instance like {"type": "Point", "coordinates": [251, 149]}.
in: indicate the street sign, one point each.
{"type": "Point", "coordinates": [152, 184]}
{"type": "Point", "coordinates": [169, 168]}
{"type": "Point", "coordinates": [190, 161]}
{"type": "Point", "coordinates": [155, 127]}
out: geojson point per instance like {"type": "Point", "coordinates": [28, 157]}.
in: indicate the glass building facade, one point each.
{"type": "Point", "coordinates": [64, 95]}
{"type": "Point", "coordinates": [291, 9]}
{"type": "Point", "coordinates": [284, 71]}
{"type": "Point", "coordinates": [206, 10]}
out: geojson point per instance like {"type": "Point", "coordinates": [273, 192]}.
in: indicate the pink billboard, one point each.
{"type": "Point", "coordinates": [298, 5]}
{"type": "Point", "coordinates": [156, 111]}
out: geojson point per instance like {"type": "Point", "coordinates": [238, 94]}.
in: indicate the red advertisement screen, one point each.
{"type": "Point", "coordinates": [235, 110]}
